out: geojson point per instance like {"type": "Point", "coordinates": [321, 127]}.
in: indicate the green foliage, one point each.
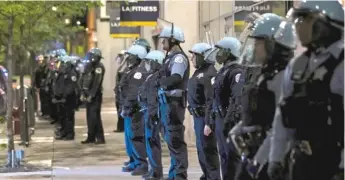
{"type": "Point", "coordinates": [2, 120]}
{"type": "Point", "coordinates": [39, 21]}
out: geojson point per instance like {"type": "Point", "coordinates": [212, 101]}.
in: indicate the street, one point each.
{"type": "Point", "coordinates": [72, 160]}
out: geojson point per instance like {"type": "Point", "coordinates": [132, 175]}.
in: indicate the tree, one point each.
{"type": "Point", "coordinates": [25, 25]}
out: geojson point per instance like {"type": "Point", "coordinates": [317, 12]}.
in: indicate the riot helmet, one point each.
{"type": "Point", "coordinates": [318, 23]}
{"type": "Point", "coordinates": [227, 49]}
{"type": "Point", "coordinates": [259, 45]}
{"type": "Point", "coordinates": [63, 64]}
{"type": "Point", "coordinates": [155, 58]}
{"type": "Point", "coordinates": [172, 36]}
{"type": "Point", "coordinates": [135, 54]}
{"type": "Point", "coordinates": [94, 55]}
{"type": "Point", "coordinates": [143, 42]}
{"type": "Point", "coordinates": [198, 54]}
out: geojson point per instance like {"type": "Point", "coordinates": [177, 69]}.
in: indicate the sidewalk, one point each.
{"type": "Point", "coordinates": [72, 160]}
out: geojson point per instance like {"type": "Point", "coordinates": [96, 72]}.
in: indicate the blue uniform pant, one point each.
{"type": "Point", "coordinates": [207, 151]}
{"type": "Point", "coordinates": [128, 143]}
{"type": "Point", "coordinates": [172, 117]}
{"type": "Point", "coordinates": [228, 157]}
{"type": "Point", "coordinates": [153, 144]}
{"type": "Point", "coordinates": [135, 139]}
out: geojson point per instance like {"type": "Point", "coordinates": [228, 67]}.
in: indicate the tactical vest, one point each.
{"type": "Point", "coordinates": [222, 94]}
{"type": "Point", "coordinates": [166, 72]}
{"type": "Point", "coordinates": [88, 78]}
{"type": "Point", "coordinates": [313, 110]}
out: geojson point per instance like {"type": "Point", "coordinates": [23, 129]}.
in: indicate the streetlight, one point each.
{"type": "Point", "coordinates": [54, 8]}
{"type": "Point", "coordinates": [78, 23]}
{"type": "Point", "coordinates": [67, 21]}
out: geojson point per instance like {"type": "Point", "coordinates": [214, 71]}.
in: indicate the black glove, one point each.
{"type": "Point", "coordinates": [126, 112]}
{"type": "Point", "coordinates": [153, 121]}
{"type": "Point", "coordinates": [275, 171]}
{"type": "Point", "coordinates": [253, 169]}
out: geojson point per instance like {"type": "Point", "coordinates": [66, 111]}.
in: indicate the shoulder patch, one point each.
{"type": "Point", "coordinates": [137, 75]}
{"type": "Point", "coordinates": [200, 75]}
{"type": "Point", "coordinates": [237, 77]}
{"type": "Point", "coordinates": [74, 78]}
{"type": "Point", "coordinates": [98, 70]}
{"type": "Point", "coordinates": [178, 59]}
{"type": "Point", "coordinates": [213, 80]}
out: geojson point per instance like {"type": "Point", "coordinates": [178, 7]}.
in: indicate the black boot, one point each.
{"type": "Point", "coordinates": [69, 137]}
{"type": "Point", "coordinates": [140, 170]}
{"type": "Point", "coordinates": [154, 175]}
{"type": "Point", "coordinates": [88, 141]}
{"type": "Point", "coordinates": [100, 140]}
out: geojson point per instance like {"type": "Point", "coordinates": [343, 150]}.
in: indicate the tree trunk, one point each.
{"type": "Point", "coordinates": [10, 143]}
{"type": "Point", "coordinates": [22, 60]}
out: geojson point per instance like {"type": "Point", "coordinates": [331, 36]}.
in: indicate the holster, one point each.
{"type": "Point", "coordinates": [220, 111]}
{"type": "Point", "coordinates": [197, 111]}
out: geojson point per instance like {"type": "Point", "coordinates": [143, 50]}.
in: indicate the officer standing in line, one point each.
{"type": "Point", "coordinates": [70, 92]}
{"type": "Point", "coordinates": [173, 79]}
{"type": "Point", "coordinates": [92, 94]}
{"type": "Point", "coordinates": [77, 67]}
{"type": "Point", "coordinates": [272, 43]}
{"type": "Point", "coordinates": [122, 64]}
{"type": "Point", "coordinates": [311, 109]}
{"type": "Point", "coordinates": [58, 87]}
{"type": "Point", "coordinates": [40, 79]}
{"type": "Point", "coordinates": [226, 101]}
{"type": "Point", "coordinates": [52, 74]}
{"type": "Point", "coordinates": [147, 98]}
{"type": "Point", "coordinates": [135, 54]}
{"type": "Point", "coordinates": [131, 109]}
{"type": "Point", "coordinates": [200, 98]}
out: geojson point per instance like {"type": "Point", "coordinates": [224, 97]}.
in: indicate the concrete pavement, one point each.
{"type": "Point", "coordinates": [72, 160]}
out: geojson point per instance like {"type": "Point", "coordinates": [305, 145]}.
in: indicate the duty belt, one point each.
{"type": "Point", "coordinates": [198, 111]}
{"type": "Point", "coordinates": [220, 111]}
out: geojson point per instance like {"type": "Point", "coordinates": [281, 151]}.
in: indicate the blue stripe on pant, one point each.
{"type": "Point", "coordinates": [153, 144]}
{"type": "Point", "coordinates": [138, 139]}
{"type": "Point", "coordinates": [172, 117]}
{"type": "Point", "coordinates": [207, 151]}
{"type": "Point", "coordinates": [128, 142]}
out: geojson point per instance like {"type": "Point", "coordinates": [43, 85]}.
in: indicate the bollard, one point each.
{"type": "Point", "coordinates": [24, 126]}
{"type": "Point", "coordinates": [31, 108]}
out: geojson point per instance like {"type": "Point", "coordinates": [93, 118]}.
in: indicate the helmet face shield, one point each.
{"type": "Point", "coordinates": [254, 52]}
{"type": "Point", "coordinates": [286, 35]}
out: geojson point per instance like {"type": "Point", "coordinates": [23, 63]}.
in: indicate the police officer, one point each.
{"type": "Point", "coordinates": [272, 43]}
{"type": "Point", "coordinates": [92, 95]}
{"type": "Point", "coordinates": [120, 61]}
{"type": "Point", "coordinates": [226, 102]}
{"type": "Point", "coordinates": [147, 98]}
{"type": "Point", "coordinates": [311, 108]}
{"type": "Point", "coordinates": [200, 98]}
{"type": "Point", "coordinates": [40, 82]}
{"type": "Point", "coordinates": [131, 109]}
{"type": "Point", "coordinates": [172, 82]}
{"type": "Point", "coordinates": [52, 74]}
{"type": "Point", "coordinates": [69, 75]}
{"type": "Point", "coordinates": [58, 88]}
